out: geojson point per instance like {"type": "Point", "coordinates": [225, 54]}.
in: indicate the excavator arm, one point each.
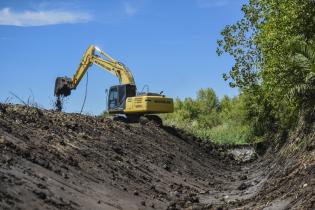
{"type": "Point", "coordinates": [64, 85]}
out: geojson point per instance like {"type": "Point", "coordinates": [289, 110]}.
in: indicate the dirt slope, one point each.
{"type": "Point", "coordinates": [51, 160]}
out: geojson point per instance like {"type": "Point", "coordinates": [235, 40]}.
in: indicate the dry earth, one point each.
{"type": "Point", "coordinates": [53, 160]}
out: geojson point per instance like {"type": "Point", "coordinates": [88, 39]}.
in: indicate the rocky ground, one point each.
{"type": "Point", "coordinates": [54, 160]}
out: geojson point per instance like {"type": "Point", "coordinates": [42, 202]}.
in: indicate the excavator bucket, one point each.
{"type": "Point", "coordinates": [62, 86]}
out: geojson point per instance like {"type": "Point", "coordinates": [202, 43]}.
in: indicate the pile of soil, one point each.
{"type": "Point", "coordinates": [54, 160]}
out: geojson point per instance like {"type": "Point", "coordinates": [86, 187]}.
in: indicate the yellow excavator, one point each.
{"type": "Point", "coordinates": [123, 100]}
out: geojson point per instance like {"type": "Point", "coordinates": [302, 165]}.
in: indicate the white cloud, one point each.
{"type": "Point", "coordinates": [134, 7]}
{"type": "Point", "coordinates": [213, 3]}
{"type": "Point", "coordinates": [130, 9]}
{"type": "Point", "coordinates": [41, 18]}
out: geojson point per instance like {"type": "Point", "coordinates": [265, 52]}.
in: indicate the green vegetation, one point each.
{"type": "Point", "coordinates": [273, 46]}
{"type": "Point", "coordinates": [223, 121]}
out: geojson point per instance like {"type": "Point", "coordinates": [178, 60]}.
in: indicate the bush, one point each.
{"type": "Point", "coordinates": [222, 121]}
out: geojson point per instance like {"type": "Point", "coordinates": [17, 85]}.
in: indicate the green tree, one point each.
{"type": "Point", "coordinates": [263, 68]}
{"type": "Point", "coordinates": [303, 61]}
{"type": "Point", "coordinates": [207, 100]}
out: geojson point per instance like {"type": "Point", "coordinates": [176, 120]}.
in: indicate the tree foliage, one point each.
{"type": "Point", "coordinates": [303, 60]}
{"type": "Point", "coordinates": [273, 48]}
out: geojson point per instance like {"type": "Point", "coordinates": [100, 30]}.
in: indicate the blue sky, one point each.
{"type": "Point", "coordinates": [168, 44]}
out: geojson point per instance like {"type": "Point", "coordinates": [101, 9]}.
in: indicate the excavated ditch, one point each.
{"type": "Point", "coordinates": [54, 160]}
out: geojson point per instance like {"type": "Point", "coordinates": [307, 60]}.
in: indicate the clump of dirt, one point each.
{"type": "Point", "coordinates": [54, 160]}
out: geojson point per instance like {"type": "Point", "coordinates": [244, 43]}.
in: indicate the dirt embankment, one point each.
{"type": "Point", "coordinates": [52, 160]}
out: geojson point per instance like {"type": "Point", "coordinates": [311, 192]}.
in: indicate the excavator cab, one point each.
{"type": "Point", "coordinates": [117, 97]}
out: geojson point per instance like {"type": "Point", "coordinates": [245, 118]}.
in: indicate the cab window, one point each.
{"type": "Point", "coordinates": [113, 98]}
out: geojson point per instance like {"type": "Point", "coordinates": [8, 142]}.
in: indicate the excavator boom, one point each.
{"type": "Point", "coordinates": [64, 85]}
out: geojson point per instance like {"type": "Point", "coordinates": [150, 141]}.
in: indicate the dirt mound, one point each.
{"type": "Point", "coordinates": [53, 160]}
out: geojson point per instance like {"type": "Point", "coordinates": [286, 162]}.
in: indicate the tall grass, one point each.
{"type": "Point", "coordinates": [226, 133]}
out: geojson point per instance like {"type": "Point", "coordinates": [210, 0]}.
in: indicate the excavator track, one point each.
{"type": "Point", "coordinates": [150, 118]}
{"type": "Point", "coordinates": [142, 119]}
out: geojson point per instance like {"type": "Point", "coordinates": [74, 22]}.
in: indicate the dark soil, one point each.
{"type": "Point", "coordinates": [54, 160]}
